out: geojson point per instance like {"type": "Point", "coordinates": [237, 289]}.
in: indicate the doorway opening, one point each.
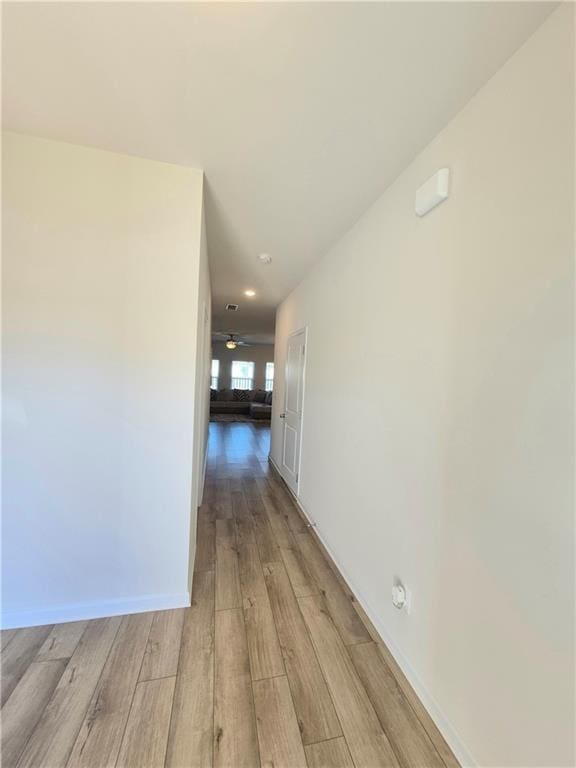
{"type": "Point", "coordinates": [242, 379]}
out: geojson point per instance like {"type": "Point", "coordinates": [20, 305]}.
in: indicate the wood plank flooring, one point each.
{"type": "Point", "coordinates": [274, 665]}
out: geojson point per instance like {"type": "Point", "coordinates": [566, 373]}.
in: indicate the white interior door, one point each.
{"type": "Point", "coordinates": [292, 414]}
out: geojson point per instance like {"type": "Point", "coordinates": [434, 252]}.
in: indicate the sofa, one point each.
{"type": "Point", "coordinates": [254, 403]}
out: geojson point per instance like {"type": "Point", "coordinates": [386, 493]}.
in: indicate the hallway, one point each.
{"type": "Point", "coordinates": [273, 665]}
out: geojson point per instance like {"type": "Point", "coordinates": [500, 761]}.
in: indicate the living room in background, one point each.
{"type": "Point", "coordinates": [214, 374]}
{"type": "Point", "coordinates": [259, 354]}
{"type": "Point", "coordinates": [242, 374]}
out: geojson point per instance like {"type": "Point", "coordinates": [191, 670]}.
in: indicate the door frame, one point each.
{"type": "Point", "coordinates": [303, 330]}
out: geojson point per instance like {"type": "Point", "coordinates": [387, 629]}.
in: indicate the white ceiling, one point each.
{"type": "Point", "coordinates": [300, 113]}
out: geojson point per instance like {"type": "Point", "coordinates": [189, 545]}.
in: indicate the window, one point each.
{"type": "Point", "coordinates": [214, 374]}
{"type": "Point", "coordinates": [269, 381]}
{"type": "Point", "coordinates": [242, 374]}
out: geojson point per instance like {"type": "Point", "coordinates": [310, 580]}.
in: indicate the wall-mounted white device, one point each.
{"type": "Point", "coordinates": [432, 192]}
{"type": "Point", "coordinates": [401, 597]}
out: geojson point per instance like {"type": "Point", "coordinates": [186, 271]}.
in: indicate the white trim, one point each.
{"type": "Point", "coordinates": [440, 720]}
{"type": "Point", "coordinates": [203, 484]}
{"type": "Point", "coordinates": [299, 471]}
{"type": "Point", "coordinates": [57, 614]}
{"type": "Point", "coordinates": [303, 330]}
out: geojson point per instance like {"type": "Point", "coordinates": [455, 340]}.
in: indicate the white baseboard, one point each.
{"type": "Point", "coordinates": [277, 468]}
{"type": "Point", "coordinates": [58, 614]}
{"type": "Point", "coordinates": [440, 720]}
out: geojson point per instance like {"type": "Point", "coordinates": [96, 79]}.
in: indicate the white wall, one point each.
{"type": "Point", "coordinates": [259, 354]}
{"type": "Point", "coordinates": [101, 290]}
{"type": "Point", "coordinates": [439, 393]}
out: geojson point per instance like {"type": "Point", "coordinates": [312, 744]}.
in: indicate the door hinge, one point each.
{"type": "Point", "coordinates": [297, 476]}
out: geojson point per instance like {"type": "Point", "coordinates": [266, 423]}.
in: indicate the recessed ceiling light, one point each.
{"type": "Point", "coordinates": [250, 293]}
{"type": "Point", "coordinates": [265, 258]}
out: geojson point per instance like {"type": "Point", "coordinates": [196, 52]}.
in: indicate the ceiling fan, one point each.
{"type": "Point", "coordinates": [232, 342]}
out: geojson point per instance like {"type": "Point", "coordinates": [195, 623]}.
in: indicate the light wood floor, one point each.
{"type": "Point", "coordinates": [274, 665]}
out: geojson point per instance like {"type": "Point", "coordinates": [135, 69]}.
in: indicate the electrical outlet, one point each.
{"type": "Point", "coordinates": [401, 597]}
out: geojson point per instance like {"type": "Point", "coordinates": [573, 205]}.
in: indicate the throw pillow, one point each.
{"type": "Point", "coordinates": [225, 395]}
{"type": "Point", "coordinates": [268, 400]}
{"type": "Point", "coordinates": [259, 396]}
{"type": "Point", "coordinates": [242, 395]}
{"type": "Point", "coordinates": [213, 395]}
